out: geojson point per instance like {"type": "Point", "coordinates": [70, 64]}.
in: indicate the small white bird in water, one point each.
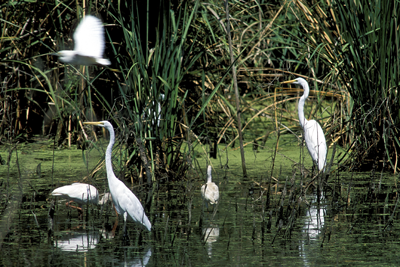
{"type": "Point", "coordinates": [89, 44]}
{"type": "Point", "coordinates": [80, 193]}
{"type": "Point", "coordinates": [125, 202]}
{"type": "Point", "coordinates": [210, 191]}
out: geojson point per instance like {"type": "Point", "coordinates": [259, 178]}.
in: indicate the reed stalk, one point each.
{"type": "Point", "coordinates": [239, 122]}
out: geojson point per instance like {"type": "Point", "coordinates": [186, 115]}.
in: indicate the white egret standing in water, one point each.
{"type": "Point", "coordinates": [313, 133]}
{"type": "Point", "coordinates": [125, 202]}
{"type": "Point", "coordinates": [89, 44]}
{"type": "Point", "coordinates": [209, 191]}
{"type": "Point", "coordinates": [80, 193]}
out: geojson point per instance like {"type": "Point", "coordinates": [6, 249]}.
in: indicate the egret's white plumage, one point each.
{"type": "Point", "coordinates": [106, 197]}
{"type": "Point", "coordinates": [313, 133]}
{"type": "Point", "coordinates": [89, 44]}
{"type": "Point", "coordinates": [78, 192]}
{"type": "Point", "coordinates": [125, 202]}
{"type": "Point", "coordinates": [157, 113]}
{"type": "Point", "coordinates": [82, 194]}
{"type": "Point", "coordinates": [209, 191]}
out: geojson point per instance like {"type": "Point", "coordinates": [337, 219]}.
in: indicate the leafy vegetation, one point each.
{"type": "Point", "coordinates": [175, 55]}
{"type": "Point", "coordinates": [353, 49]}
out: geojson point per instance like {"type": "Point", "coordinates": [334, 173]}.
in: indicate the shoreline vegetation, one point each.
{"type": "Point", "coordinates": [180, 50]}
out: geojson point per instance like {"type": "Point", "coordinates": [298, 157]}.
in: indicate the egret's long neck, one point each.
{"type": "Point", "coordinates": [209, 178]}
{"type": "Point", "coordinates": [110, 172]}
{"type": "Point", "coordinates": [302, 119]}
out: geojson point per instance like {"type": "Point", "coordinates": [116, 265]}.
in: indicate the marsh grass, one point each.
{"type": "Point", "coordinates": [180, 50]}
{"type": "Point", "coordinates": [36, 87]}
{"type": "Point", "coordinates": [356, 57]}
{"type": "Point", "coordinates": [149, 107]}
{"type": "Point", "coordinates": [370, 73]}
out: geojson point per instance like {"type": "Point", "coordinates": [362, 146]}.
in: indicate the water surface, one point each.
{"type": "Point", "coordinates": [353, 220]}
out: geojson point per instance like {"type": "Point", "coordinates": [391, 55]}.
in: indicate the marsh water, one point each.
{"type": "Point", "coordinates": [265, 219]}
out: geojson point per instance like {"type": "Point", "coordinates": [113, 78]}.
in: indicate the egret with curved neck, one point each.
{"type": "Point", "coordinates": [313, 133]}
{"type": "Point", "coordinates": [125, 202]}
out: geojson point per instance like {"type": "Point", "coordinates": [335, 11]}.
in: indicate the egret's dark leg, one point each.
{"type": "Point", "coordinates": [80, 210]}
{"type": "Point", "coordinates": [116, 213]}
{"type": "Point", "coordinates": [114, 227]}
{"type": "Point", "coordinates": [68, 202]}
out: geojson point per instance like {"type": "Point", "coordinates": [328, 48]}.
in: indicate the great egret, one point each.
{"type": "Point", "coordinates": [89, 44]}
{"type": "Point", "coordinates": [80, 193]}
{"type": "Point", "coordinates": [313, 133]}
{"type": "Point", "coordinates": [209, 191]}
{"type": "Point", "coordinates": [125, 202]}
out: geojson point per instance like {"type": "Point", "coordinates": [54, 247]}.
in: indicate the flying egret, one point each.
{"type": "Point", "coordinates": [80, 193]}
{"type": "Point", "coordinates": [125, 202]}
{"type": "Point", "coordinates": [313, 133]}
{"type": "Point", "coordinates": [89, 44]}
{"type": "Point", "coordinates": [209, 191]}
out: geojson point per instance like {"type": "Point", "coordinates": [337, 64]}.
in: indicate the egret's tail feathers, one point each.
{"type": "Point", "coordinates": [103, 61]}
{"type": "Point", "coordinates": [146, 222]}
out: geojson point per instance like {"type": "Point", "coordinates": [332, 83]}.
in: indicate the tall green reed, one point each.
{"type": "Point", "coordinates": [351, 48]}
{"type": "Point", "coordinates": [370, 73]}
{"type": "Point", "coordinates": [41, 93]}
{"type": "Point", "coordinates": [314, 51]}
{"type": "Point", "coordinates": [151, 103]}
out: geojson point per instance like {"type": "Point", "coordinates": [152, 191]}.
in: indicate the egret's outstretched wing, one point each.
{"type": "Point", "coordinates": [315, 142]}
{"type": "Point", "coordinates": [89, 37]}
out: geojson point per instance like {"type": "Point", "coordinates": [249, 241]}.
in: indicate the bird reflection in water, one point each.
{"type": "Point", "coordinates": [78, 241]}
{"type": "Point", "coordinates": [210, 235]}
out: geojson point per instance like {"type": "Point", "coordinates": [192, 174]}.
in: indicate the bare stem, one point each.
{"type": "Point", "coordinates": [239, 126]}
